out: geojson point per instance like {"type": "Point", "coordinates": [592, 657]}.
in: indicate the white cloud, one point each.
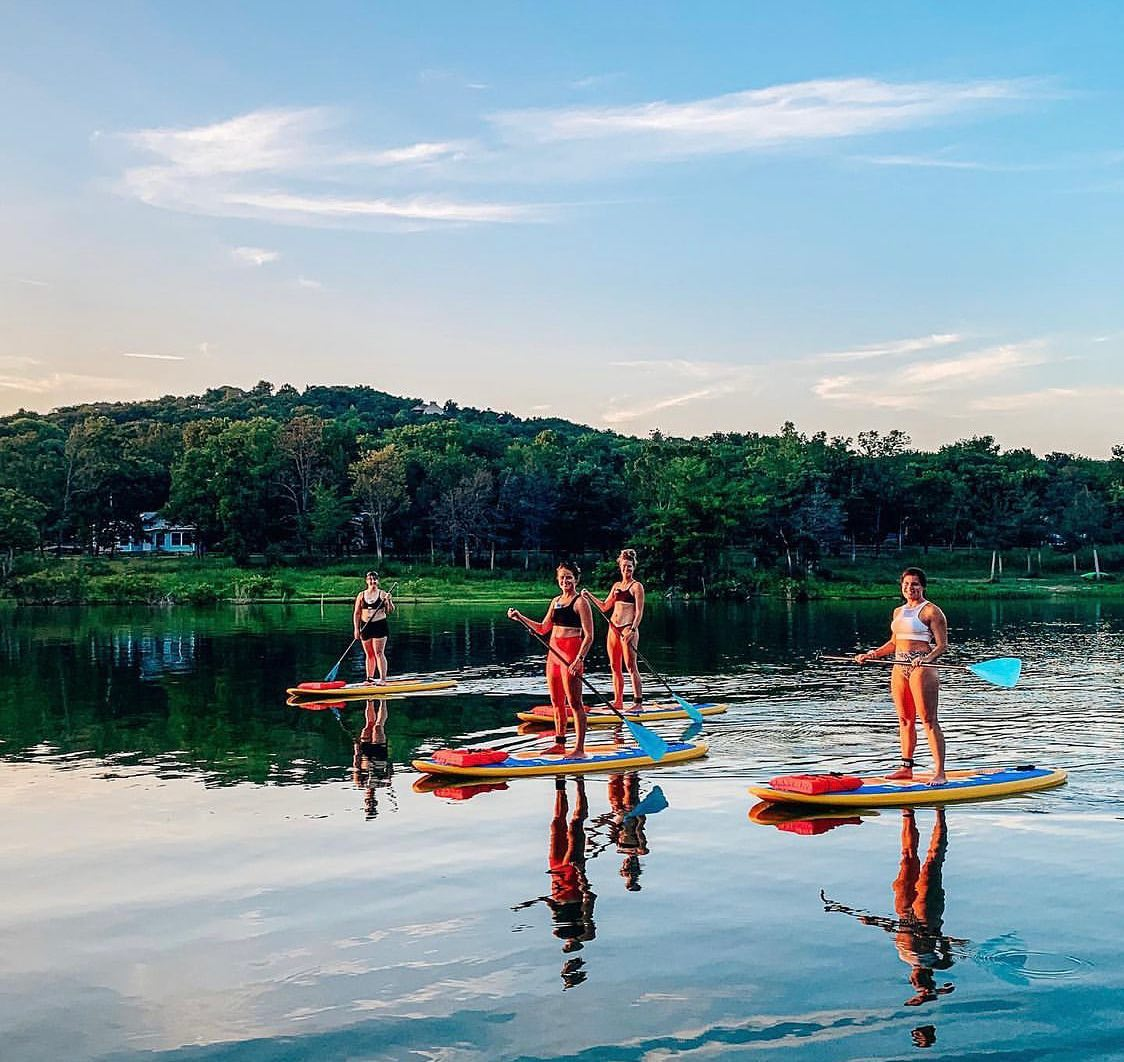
{"type": "Point", "coordinates": [910, 386]}
{"type": "Point", "coordinates": [267, 164]}
{"type": "Point", "coordinates": [32, 283]}
{"type": "Point", "coordinates": [57, 381]}
{"type": "Point", "coordinates": [1047, 397]}
{"type": "Point", "coordinates": [720, 379]}
{"type": "Point", "coordinates": [762, 118]}
{"type": "Point", "coordinates": [256, 256]}
{"type": "Point", "coordinates": [155, 357]}
{"type": "Point", "coordinates": [894, 348]}
{"type": "Point", "coordinates": [17, 361]}
{"type": "Point", "coordinates": [307, 282]}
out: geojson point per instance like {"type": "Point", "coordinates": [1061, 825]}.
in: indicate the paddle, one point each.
{"type": "Point", "coordinates": [652, 744]}
{"type": "Point", "coordinates": [331, 676]}
{"type": "Point", "coordinates": [999, 671]}
{"type": "Point", "coordinates": [653, 803]}
{"type": "Point", "coordinates": [686, 705]}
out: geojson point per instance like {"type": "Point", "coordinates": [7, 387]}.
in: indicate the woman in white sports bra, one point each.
{"type": "Point", "coordinates": [918, 636]}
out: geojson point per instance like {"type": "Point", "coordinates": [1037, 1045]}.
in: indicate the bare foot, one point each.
{"type": "Point", "coordinates": [557, 749]}
{"type": "Point", "coordinates": [938, 779]}
{"type": "Point", "coordinates": [902, 774]}
{"type": "Point", "coordinates": [576, 753]}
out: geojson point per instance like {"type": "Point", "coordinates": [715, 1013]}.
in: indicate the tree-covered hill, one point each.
{"type": "Point", "coordinates": [329, 470]}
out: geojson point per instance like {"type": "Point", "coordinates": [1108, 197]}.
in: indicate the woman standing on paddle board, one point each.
{"type": "Point", "coordinates": [918, 636]}
{"type": "Point", "coordinates": [626, 599]}
{"type": "Point", "coordinates": [372, 606]}
{"type": "Point", "coordinates": [569, 623]}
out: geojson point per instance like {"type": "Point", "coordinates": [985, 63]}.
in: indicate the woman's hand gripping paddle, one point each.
{"type": "Point", "coordinates": [652, 744]}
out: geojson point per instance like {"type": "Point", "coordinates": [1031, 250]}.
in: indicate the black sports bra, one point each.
{"type": "Point", "coordinates": [566, 615]}
{"type": "Point", "coordinates": [624, 595]}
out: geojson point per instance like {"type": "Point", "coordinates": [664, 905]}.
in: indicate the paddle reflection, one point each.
{"type": "Point", "coordinates": [371, 769]}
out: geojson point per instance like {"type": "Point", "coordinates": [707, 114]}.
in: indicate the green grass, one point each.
{"type": "Point", "coordinates": [192, 580]}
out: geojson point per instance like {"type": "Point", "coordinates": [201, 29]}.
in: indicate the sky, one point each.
{"type": "Point", "coordinates": [693, 218]}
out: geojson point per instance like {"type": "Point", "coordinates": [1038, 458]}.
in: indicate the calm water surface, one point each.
{"type": "Point", "coordinates": [193, 869]}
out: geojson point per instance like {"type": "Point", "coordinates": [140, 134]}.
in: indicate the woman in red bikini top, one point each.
{"type": "Point", "coordinates": [626, 600]}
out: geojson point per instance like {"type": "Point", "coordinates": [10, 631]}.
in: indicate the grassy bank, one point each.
{"type": "Point", "coordinates": [190, 580]}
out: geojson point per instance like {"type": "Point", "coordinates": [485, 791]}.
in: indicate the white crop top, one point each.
{"type": "Point", "coordinates": [907, 624]}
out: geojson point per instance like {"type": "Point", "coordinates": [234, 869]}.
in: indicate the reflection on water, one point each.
{"type": "Point", "coordinates": [194, 869]}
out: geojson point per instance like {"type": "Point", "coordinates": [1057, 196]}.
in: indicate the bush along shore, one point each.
{"type": "Point", "coordinates": [213, 580]}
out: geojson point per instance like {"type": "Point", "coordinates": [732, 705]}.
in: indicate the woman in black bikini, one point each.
{"type": "Point", "coordinates": [626, 599]}
{"type": "Point", "coordinates": [372, 606]}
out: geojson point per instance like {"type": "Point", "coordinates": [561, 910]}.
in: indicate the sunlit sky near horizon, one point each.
{"type": "Point", "coordinates": [692, 217]}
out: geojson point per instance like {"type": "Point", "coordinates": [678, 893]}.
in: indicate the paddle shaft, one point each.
{"type": "Point", "coordinates": [891, 660]}
{"type": "Point", "coordinates": [331, 676]}
{"type": "Point", "coordinates": [684, 704]}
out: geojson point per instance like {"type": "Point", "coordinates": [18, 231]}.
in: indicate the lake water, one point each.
{"type": "Point", "coordinates": [194, 870]}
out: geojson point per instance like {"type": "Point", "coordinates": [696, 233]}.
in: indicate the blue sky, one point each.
{"type": "Point", "coordinates": [692, 217]}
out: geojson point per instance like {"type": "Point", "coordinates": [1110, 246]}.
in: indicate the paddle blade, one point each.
{"type": "Point", "coordinates": [689, 708]}
{"type": "Point", "coordinates": [1002, 671]}
{"type": "Point", "coordinates": [691, 732]}
{"type": "Point", "coordinates": [652, 744]}
{"type": "Point", "coordinates": [655, 801]}
{"type": "Point", "coordinates": [331, 676]}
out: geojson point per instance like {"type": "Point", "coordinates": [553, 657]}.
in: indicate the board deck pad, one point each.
{"type": "Point", "coordinates": [880, 791]}
{"type": "Point", "coordinates": [595, 716]}
{"type": "Point", "coordinates": [366, 689]}
{"type": "Point", "coordinates": [600, 757]}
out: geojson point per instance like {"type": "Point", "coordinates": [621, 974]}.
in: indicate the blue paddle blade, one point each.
{"type": "Point", "coordinates": [689, 708]}
{"type": "Point", "coordinates": [654, 802]}
{"type": "Point", "coordinates": [331, 676]}
{"type": "Point", "coordinates": [652, 744]}
{"type": "Point", "coordinates": [1002, 671]}
{"type": "Point", "coordinates": [691, 732]}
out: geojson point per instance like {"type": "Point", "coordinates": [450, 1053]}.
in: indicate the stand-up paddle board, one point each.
{"type": "Point", "coordinates": [336, 690]}
{"type": "Point", "coordinates": [840, 791]}
{"type": "Point", "coordinates": [467, 763]}
{"type": "Point", "coordinates": [655, 713]}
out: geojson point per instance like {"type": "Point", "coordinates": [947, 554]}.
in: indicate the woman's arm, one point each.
{"type": "Point", "coordinates": [357, 614]}
{"type": "Point", "coordinates": [589, 595]}
{"type": "Point", "coordinates": [885, 649]}
{"type": "Point", "coordinates": [387, 602]}
{"type": "Point", "coordinates": [938, 625]}
{"type": "Point", "coordinates": [586, 616]}
{"type": "Point", "coordinates": [638, 596]}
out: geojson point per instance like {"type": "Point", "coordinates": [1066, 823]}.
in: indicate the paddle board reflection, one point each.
{"type": "Point", "coordinates": [371, 769]}
{"type": "Point", "coordinates": [918, 928]}
{"type": "Point", "coordinates": [570, 899]}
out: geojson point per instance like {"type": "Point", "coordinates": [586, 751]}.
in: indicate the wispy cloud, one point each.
{"type": "Point", "coordinates": [1048, 397]}
{"type": "Point", "coordinates": [31, 283]}
{"type": "Point", "coordinates": [308, 282]}
{"type": "Point", "coordinates": [267, 165]}
{"type": "Point", "coordinates": [17, 361]}
{"type": "Point", "coordinates": [58, 381]}
{"type": "Point", "coordinates": [893, 348]}
{"type": "Point", "coordinates": [766, 117]}
{"type": "Point", "coordinates": [719, 379]}
{"type": "Point", "coordinates": [255, 256]}
{"type": "Point", "coordinates": [154, 357]}
{"type": "Point", "coordinates": [911, 385]}
{"type": "Point", "coordinates": [942, 162]}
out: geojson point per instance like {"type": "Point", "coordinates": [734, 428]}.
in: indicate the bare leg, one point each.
{"type": "Point", "coordinates": [924, 684]}
{"type": "Point", "coordinates": [902, 694]}
{"type": "Point", "coordinates": [556, 684]}
{"type": "Point", "coordinates": [574, 687]}
{"type": "Point", "coordinates": [369, 658]}
{"type": "Point", "coordinates": [380, 658]}
{"type": "Point", "coordinates": [615, 649]}
{"type": "Point", "coordinates": [633, 668]}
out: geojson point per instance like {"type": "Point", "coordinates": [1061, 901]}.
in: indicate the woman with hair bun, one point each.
{"type": "Point", "coordinates": [625, 602]}
{"type": "Point", "coordinates": [368, 618]}
{"type": "Point", "coordinates": [569, 623]}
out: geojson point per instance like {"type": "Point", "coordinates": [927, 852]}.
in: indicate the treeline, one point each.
{"type": "Point", "coordinates": [333, 470]}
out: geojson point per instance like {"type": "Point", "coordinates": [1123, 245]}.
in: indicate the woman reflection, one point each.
{"type": "Point", "coordinates": [627, 831]}
{"type": "Point", "coordinates": [370, 765]}
{"type": "Point", "coordinates": [571, 899]}
{"type": "Point", "coordinates": [919, 904]}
